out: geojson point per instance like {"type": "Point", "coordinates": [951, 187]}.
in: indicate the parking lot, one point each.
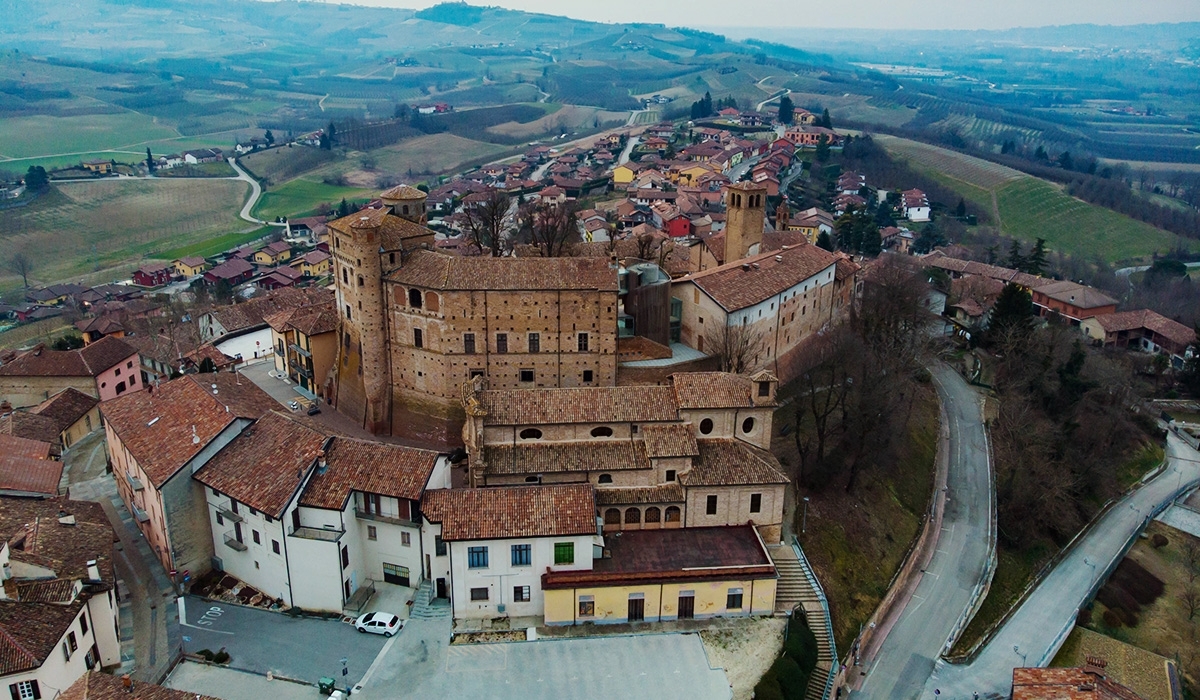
{"type": "Point", "coordinates": [260, 641]}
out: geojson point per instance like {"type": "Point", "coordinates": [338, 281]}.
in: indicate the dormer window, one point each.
{"type": "Point", "coordinates": [764, 389]}
{"type": "Point", "coordinates": [414, 298]}
{"type": "Point", "coordinates": [706, 426]}
{"type": "Point", "coordinates": [531, 434]}
{"type": "Point", "coordinates": [602, 432]}
{"type": "Point", "coordinates": [604, 479]}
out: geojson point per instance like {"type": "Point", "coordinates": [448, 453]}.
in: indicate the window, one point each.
{"type": "Point", "coordinates": [653, 515]}
{"type": "Point", "coordinates": [233, 507]}
{"type": "Point", "coordinates": [345, 276]}
{"type": "Point", "coordinates": [418, 338]}
{"type": "Point", "coordinates": [588, 376]}
{"type": "Point", "coordinates": [477, 373]}
{"type": "Point", "coordinates": [531, 434]}
{"type": "Point", "coordinates": [604, 479]}
{"type": "Point", "coordinates": [582, 343]}
{"type": "Point", "coordinates": [602, 431]}
{"type": "Point", "coordinates": [710, 505]}
{"type": "Point", "coordinates": [522, 554]}
{"type": "Point", "coordinates": [275, 546]}
{"type": "Point", "coordinates": [564, 552]}
{"type": "Point", "coordinates": [83, 625]}
{"type": "Point", "coordinates": [764, 388]}
{"type": "Point", "coordinates": [256, 536]}
{"type": "Point", "coordinates": [756, 503]}
{"type": "Point", "coordinates": [612, 516]}
{"type": "Point", "coordinates": [360, 280]}
{"type": "Point", "coordinates": [348, 316]}
{"type": "Point", "coordinates": [220, 520]}
{"type": "Point", "coordinates": [439, 546]}
{"type": "Point", "coordinates": [587, 606]}
{"type": "Point", "coordinates": [502, 342]}
{"type": "Point", "coordinates": [372, 532]}
{"type": "Point", "coordinates": [535, 342]}
{"type": "Point", "coordinates": [733, 601]}
{"type": "Point", "coordinates": [706, 426]}
{"type": "Point", "coordinates": [748, 425]}
{"type": "Point", "coordinates": [527, 375]}
{"type": "Point", "coordinates": [633, 516]}
{"type": "Point", "coordinates": [670, 475]}
{"type": "Point", "coordinates": [672, 514]}
{"type": "Point", "coordinates": [345, 557]}
{"type": "Point", "coordinates": [533, 480]}
{"type": "Point", "coordinates": [479, 594]}
{"type": "Point", "coordinates": [118, 372]}
{"type": "Point", "coordinates": [520, 594]}
{"type": "Point", "coordinates": [25, 690]}
{"type": "Point", "coordinates": [469, 343]}
{"type": "Point", "coordinates": [406, 539]}
{"type": "Point", "coordinates": [477, 557]}
{"type": "Point", "coordinates": [71, 641]}
{"type": "Point", "coordinates": [414, 298]}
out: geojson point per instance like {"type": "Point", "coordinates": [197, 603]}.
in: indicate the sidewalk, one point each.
{"type": "Point", "coordinates": [150, 632]}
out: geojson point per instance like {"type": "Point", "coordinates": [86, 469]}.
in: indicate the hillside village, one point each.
{"type": "Point", "coordinates": [535, 399]}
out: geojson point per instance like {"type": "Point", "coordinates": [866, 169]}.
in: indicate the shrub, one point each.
{"type": "Point", "coordinates": [1141, 585]}
{"type": "Point", "coordinates": [1158, 541]}
{"type": "Point", "coordinates": [801, 645]}
{"type": "Point", "coordinates": [767, 687]}
{"type": "Point", "coordinates": [205, 654]}
{"type": "Point", "coordinates": [1084, 618]}
{"type": "Point", "coordinates": [793, 681]}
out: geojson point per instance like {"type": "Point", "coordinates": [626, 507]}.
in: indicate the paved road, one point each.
{"type": "Point", "coordinates": [255, 194]}
{"type": "Point", "coordinates": [904, 661]}
{"type": "Point", "coordinates": [1033, 634]}
{"type": "Point", "coordinates": [87, 459]}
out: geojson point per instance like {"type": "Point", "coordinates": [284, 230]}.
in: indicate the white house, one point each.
{"type": "Point", "coordinates": [916, 205]}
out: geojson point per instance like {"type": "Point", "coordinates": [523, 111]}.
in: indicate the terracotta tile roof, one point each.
{"type": "Point", "coordinates": [309, 320]}
{"type": "Point", "coordinates": [731, 463]}
{"type": "Point", "coordinates": [66, 407]}
{"type": "Point", "coordinates": [434, 270]}
{"type": "Point", "coordinates": [95, 685]}
{"type": "Point", "coordinates": [22, 475]}
{"type": "Point", "coordinates": [680, 555]}
{"type": "Point", "coordinates": [393, 230]}
{"type": "Point", "coordinates": [619, 404]}
{"type": "Point", "coordinates": [29, 632]}
{"type": "Point", "coordinates": [252, 313]}
{"type": "Point", "coordinates": [31, 426]}
{"type": "Point", "coordinates": [621, 495]}
{"type": "Point", "coordinates": [846, 268]}
{"type": "Point", "coordinates": [670, 440]}
{"type": "Point", "coordinates": [156, 427]}
{"type": "Point", "coordinates": [1066, 684]}
{"type": "Point", "coordinates": [11, 445]}
{"type": "Point", "coordinates": [265, 465]}
{"type": "Point", "coordinates": [518, 511]}
{"type": "Point", "coordinates": [59, 590]}
{"type": "Point", "coordinates": [547, 458]}
{"type": "Point", "coordinates": [738, 284]}
{"type": "Point", "coordinates": [712, 390]}
{"type": "Point", "coordinates": [372, 467]}
{"type": "Point", "coordinates": [1176, 332]}
{"type": "Point", "coordinates": [89, 361]}
{"type": "Point", "coordinates": [1077, 295]}
{"type": "Point", "coordinates": [231, 269]}
{"type": "Point", "coordinates": [192, 261]}
{"type": "Point", "coordinates": [402, 192]}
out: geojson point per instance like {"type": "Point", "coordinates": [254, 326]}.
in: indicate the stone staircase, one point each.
{"type": "Point", "coordinates": [426, 607]}
{"type": "Point", "coordinates": [795, 591]}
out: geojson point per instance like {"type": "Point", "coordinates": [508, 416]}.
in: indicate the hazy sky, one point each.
{"type": "Point", "coordinates": [867, 14]}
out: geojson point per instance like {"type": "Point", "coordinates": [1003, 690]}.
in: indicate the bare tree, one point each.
{"type": "Point", "coordinates": [1191, 601]}
{"type": "Point", "coordinates": [647, 245]}
{"type": "Point", "coordinates": [484, 222]}
{"type": "Point", "coordinates": [735, 347]}
{"type": "Point", "coordinates": [1191, 557]}
{"type": "Point", "coordinates": [550, 228]}
{"type": "Point", "coordinates": [21, 264]}
{"type": "Point", "coordinates": [821, 402]}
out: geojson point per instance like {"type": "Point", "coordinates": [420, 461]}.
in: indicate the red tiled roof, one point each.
{"type": "Point", "coordinates": [371, 467]}
{"type": "Point", "coordinates": [21, 475]}
{"type": "Point", "coordinates": [712, 390]}
{"type": "Point", "coordinates": [670, 440]}
{"type": "Point", "coordinates": [66, 407]}
{"type": "Point", "coordinates": [519, 511]}
{"type": "Point", "coordinates": [393, 229]}
{"type": "Point", "coordinates": [531, 457]}
{"type": "Point", "coordinates": [433, 270]}
{"type": "Point", "coordinates": [636, 404]}
{"type": "Point", "coordinates": [1066, 684]}
{"type": "Point", "coordinates": [230, 269]}
{"type": "Point", "coordinates": [89, 361]}
{"type": "Point", "coordinates": [732, 462]}
{"type": "Point", "coordinates": [739, 284]}
{"type": "Point", "coordinates": [1078, 295]}
{"type": "Point", "coordinates": [1174, 331]}
{"type": "Point", "coordinates": [31, 426]}
{"type": "Point", "coordinates": [95, 685]}
{"type": "Point", "coordinates": [628, 495]}
{"type": "Point", "coordinates": [265, 465]}
{"type": "Point", "coordinates": [24, 447]}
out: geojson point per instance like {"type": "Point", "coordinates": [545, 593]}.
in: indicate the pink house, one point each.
{"type": "Point", "coordinates": [105, 369]}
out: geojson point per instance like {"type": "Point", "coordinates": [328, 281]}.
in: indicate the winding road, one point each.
{"type": "Point", "coordinates": [901, 664]}
{"type": "Point", "coordinates": [255, 194]}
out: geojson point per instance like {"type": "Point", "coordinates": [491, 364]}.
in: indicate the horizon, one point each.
{"type": "Point", "coordinates": [879, 15]}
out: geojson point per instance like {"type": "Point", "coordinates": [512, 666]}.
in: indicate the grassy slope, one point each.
{"type": "Point", "coordinates": [299, 197]}
{"type": "Point", "coordinates": [45, 135]}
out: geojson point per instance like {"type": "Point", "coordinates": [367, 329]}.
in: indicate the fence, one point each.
{"type": "Point", "coordinates": [816, 586]}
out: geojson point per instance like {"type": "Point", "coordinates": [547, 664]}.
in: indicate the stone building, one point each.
{"type": "Point", "coordinates": [745, 214]}
{"type": "Point", "coordinates": [417, 324]}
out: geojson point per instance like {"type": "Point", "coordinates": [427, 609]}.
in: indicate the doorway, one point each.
{"type": "Point", "coordinates": [395, 574]}
{"type": "Point", "coordinates": [441, 588]}
{"type": "Point", "coordinates": [637, 609]}
{"type": "Point", "coordinates": [687, 607]}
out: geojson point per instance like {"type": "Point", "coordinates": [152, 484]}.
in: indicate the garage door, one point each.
{"type": "Point", "coordinates": [395, 574]}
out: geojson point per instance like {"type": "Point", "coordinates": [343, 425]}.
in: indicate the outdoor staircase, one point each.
{"type": "Point", "coordinates": [426, 607]}
{"type": "Point", "coordinates": [797, 589]}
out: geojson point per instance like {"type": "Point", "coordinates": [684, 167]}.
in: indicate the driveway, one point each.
{"type": "Point", "coordinates": [87, 458]}
{"type": "Point", "coordinates": [260, 641]}
{"type": "Point", "coordinates": [1033, 634]}
{"type": "Point", "coordinates": [905, 660]}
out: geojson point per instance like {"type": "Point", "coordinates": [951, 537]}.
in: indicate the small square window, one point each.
{"type": "Point", "coordinates": [520, 594]}
{"type": "Point", "coordinates": [527, 375]}
{"type": "Point", "coordinates": [564, 552]}
{"type": "Point", "coordinates": [479, 594]}
{"type": "Point", "coordinates": [522, 555]}
{"type": "Point", "coordinates": [587, 606]}
{"type": "Point", "coordinates": [670, 475]}
{"type": "Point", "coordinates": [733, 601]}
{"type": "Point", "coordinates": [406, 539]}
{"type": "Point", "coordinates": [372, 532]}
{"type": "Point", "coordinates": [275, 546]}
{"type": "Point", "coordinates": [477, 557]}
{"type": "Point", "coordinates": [588, 376]}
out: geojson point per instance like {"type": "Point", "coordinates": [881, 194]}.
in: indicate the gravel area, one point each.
{"type": "Point", "coordinates": [745, 650]}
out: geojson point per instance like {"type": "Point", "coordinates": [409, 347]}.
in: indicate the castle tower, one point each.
{"type": "Point", "coordinates": [745, 214]}
{"type": "Point", "coordinates": [364, 374]}
{"type": "Point", "coordinates": [406, 202]}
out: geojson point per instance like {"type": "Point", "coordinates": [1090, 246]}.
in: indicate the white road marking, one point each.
{"type": "Point", "coordinates": [375, 664]}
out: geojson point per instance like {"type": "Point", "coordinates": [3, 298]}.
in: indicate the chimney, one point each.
{"type": "Point", "coordinates": [322, 464]}
{"type": "Point", "coordinates": [93, 570]}
{"type": "Point", "coordinates": [778, 258]}
{"type": "Point", "coordinates": [745, 267]}
{"type": "Point", "coordinates": [65, 518]}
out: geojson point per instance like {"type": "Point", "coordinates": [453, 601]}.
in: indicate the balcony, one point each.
{"type": "Point", "coordinates": [140, 515]}
{"type": "Point", "coordinates": [232, 542]}
{"type": "Point", "coordinates": [317, 533]}
{"type": "Point", "coordinates": [227, 514]}
{"type": "Point", "coordinates": [364, 515]}
{"type": "Point", "coordinates": [134, 482]}
{"type": "Point", "coordinates": [300, 350]}
{"type": "Point", "coordinates": [303, 371]}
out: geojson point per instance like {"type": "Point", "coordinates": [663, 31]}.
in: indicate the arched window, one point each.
{"type": "Point", "coordinates": [672, 514]}
{"type": "Point", "coordinates": [633, 516]}
{"type": "Point", "coordinates": [706, 426]}
{"type": "Point", "coordinates": [431, 301]}
{"type": "Point", "coordinates": [360, 280]}
{"type": "Point", "coordinates": [612, 516]}
{"type": "Point", "coordinates": [604, 479]}
{"type": "Point", "coordinates": [531, 434]}
{"type": "Point", "coordinates": [748, 425]}
{"type": "Point", "coordinates": [602, 431]}
{"type": "Point", "coordinates": [653, 515]}
{"type": "Point", "coordinates": [414, 298]}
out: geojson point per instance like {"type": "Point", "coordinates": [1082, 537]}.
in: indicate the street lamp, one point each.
{"type": "Point", "coordinates": [804, 519]}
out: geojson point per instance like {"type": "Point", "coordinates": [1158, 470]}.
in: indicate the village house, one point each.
{"type": "Point", "coordinates": [24, 424]}
{"type": "Point", "coordinates": [314, 263]}
{"type": "Point", "coordinates": [75, 414]}
{"type": "Point", "coordinates": [1071, 300]}
{"type": "Point", "coordinates": [190, 266]}
{"type": "Point", "coordinates": [59, 615]}
{"type": "Point", "coordinates": [157, 439]}
{"type": "Point", "coordinates": [250, 315]}
{"type": "Point", "coordinates": [305, 344]}
{"type": "Point", "coordinates": [231, 272]}
{"type": "Point", "coordinates": [154, 274]}
{"type": "Point", "coordinates": [104, 369]}
{"type": "Point", "coordinates": [273, 253]}
{"type": "Point", "coordinates": [97, 685]}
{"type": "Point", "coordinates": [1143, 330]}
{"type": "Point", "coordinates": [807, 136]}
{"type": "Point", "coordinates": [915, 205]}
{"type": "Point", "coordinates": [278, 278]}
{"type": "Point", "coordinates": [98, 167]}
{"type": "Point", "coordinates": [203, 155]}
{"type": "Point", "coordinates": [28, 468]}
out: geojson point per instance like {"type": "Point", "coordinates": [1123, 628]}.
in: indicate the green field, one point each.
{"type": "Point", "coordinates": [1031, 208]}
{"type": "Point", "coordinates": [300, 197]}
{"type": "Point", "coordinates": [218, 244]}
{"type": "Point", "coordinates": [278, 165]}
{"type": "Point", "coordinates": [434, 154]}
{"type": "Point", "coordinates": [25, 137]}
{"type": "Point", "coordinates": [84, 227]}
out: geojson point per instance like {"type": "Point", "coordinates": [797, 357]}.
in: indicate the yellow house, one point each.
{"type": "Point", "coordinates": [273, 253]}
{"type": "Point", "coordinates": [100, 167]}
{"type": "Point", "coordinates": [304, 340]}
{"type": "Point", "coordinates": [623, 174]}
{"type": "Point", "coordinates": [75, 413]}
{"type": "Point", "coordinates": [689, 173]}
{"type": "Point", "coordinates": [659, 575]}
{"type": "Point", "coordinates": [190, 266]}
{"type": "Point", "coordinates": [313, 264]}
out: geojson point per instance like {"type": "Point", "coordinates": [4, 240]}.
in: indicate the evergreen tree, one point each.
{"type": "Point", "coordinates": [931, 237]}
{"type": "Point", "coordinates": [1040, 154]}
{"type": "Point", "coordinates": [36, 177]}
{"type": "Point", "coordinates": [343, 209]}
{"type": "Point", "coordinates": [825, 120]}
{"type": "Point", "coordinates": [822, 153]}
{"type": "Point", "coordinates": [884, 216]}
{"type": "Point", "coordinates": [824, 240]}
{"type": "Point", "coordinates": [149, 161]}
{"type": "Point", "coordinates": [1065, 161]}
{"type": "Point", "coordinates": [961, 210]}
{"type": "Point", "coordinates": [1035, 264]}
{"type": "Point", "coordinates": [871, 243]}
{"type": "Point", "coordinates": [1012, 314]}
{"type": "Point", "coordinates": [787, 110]}
{"type": "Point", "coordinates": [269, 138]}
{"type": "Point", "coordinates": [1015, 259]}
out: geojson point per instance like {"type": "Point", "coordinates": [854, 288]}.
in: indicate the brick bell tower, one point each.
{"type": "Point", "coordinates": [745, 213]}
{"type": "Point", "coordinates": [406, 202]}
{"type": "Point", "coordinates": [364, 375]}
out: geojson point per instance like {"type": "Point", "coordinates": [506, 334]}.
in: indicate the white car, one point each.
{"type": "Point", "coordinates": [383, 623]}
